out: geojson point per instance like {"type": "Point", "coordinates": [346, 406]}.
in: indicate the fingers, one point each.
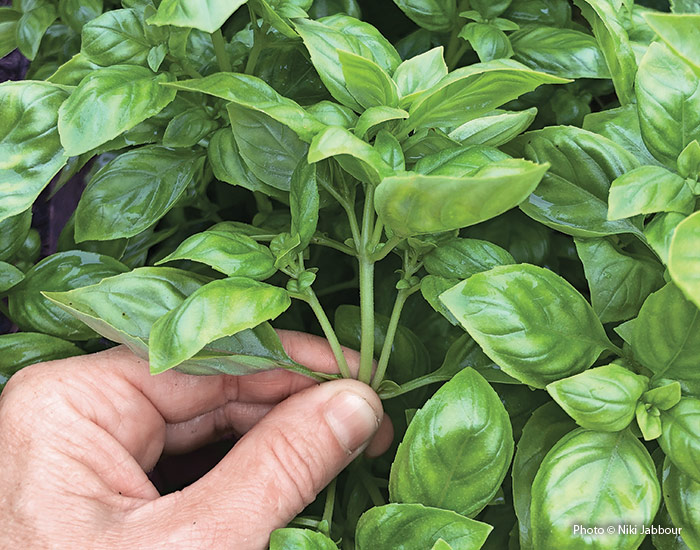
{"type": "Point", "coordinates": [276, 469]}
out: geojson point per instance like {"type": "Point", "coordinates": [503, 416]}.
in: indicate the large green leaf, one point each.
{"type": "Point", "coordinates": [668, 100]}
{"type": "Point", "coordinates": [323, 39]}
{"type": "Point", "coordinates": [457, 448]}
{"type": "Point", "coordinates": [108, 102]}
{"type": "Point", "coordinates": [22, 349]}
{"type": "Point", "coordinates": [680, 436]}
{"type": "Point", "coordinates": [13, 231]}
{"type": "Point", "coordinates": [602, 398]}
{"type": "Point", "coordinates": [433, 15]}
{"type": "Point", "coordinates": [562, 52]}
{"type": "Point", "coordinates": [682, 498]}
{"type": "Point", "coordinates": [529, 321]}
{"type": "Point", "coordinates": [132, 192]}
{"type": "Point", "coordinates": [254, 93]}
{"type": "Point", "coordinates": [666, 337]}
{"type": "Point", "coordinates": [619, 282]}
{"type": "Point", "coordinates": [680, 32]}
{"type": "Point", "coordinates": [684, 257]}
{"type": "Point", "coordinates": [542, 431]}
{"type": "Point", "coordinates": [472, 91]}
{"type": "Point", "coordinates": [413, 204]}
{"type": "Point", "coordinates": [30, 149]}
{"type": "Point", "coordinates": [228, 251]}
{"type": "Point", "coordinates": [205, 15]}
{"type": "Point", "coordinates": [59, 272]}
{"type": "Point", "coordinates": [220, 308]}
{"type": "Point", "coordinates": [269, 149]}
{"type": "Point", "coordinates": [300, 539]}
{"type": "Point", "coordinates": [407, 526]}
{"type": "Point", "coordinates": [116, 37]}
{"type": "Point", "coordinates": [594, 479]}
{"type": "Point", "coordinates": [573, 195]}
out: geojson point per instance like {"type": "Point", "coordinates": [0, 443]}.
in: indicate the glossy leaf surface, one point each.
{"type": "Point", "coordinates": [682, 498]}
{"type": "Point", "coordinates": [207, 15]}
{"type": "Point", "coordinates": [529, 321]}
{"type": "Point", "coordinates": [680, 436]}
{"type": "Point", "coordinates": [684, 257]}
{"type": "Point", "coordinates": [300, 539]}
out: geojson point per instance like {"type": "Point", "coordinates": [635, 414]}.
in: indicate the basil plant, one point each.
{"type": "Point", "coordinates": [496, 203]}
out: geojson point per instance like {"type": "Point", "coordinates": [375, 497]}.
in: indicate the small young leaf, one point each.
{"type": "Point", "coordinates": [487, 41]}
{"type": "Point", "coordinates": [688, 162]}
{"type": "Point", "coordinates": [189, 127]}
{"type": "Point", "coordinates": [13, 231]}
{"type": "Point", "coordinates": [419, 73]}
{"type": "Point", "coordinates": [367, 82]}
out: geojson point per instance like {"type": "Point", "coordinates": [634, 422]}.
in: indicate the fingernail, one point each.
{"type": "Point", "coordinates": [352, 419]}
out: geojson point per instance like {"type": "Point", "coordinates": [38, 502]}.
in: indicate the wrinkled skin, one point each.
{"type": "Point", "coordinates": [77, 436]}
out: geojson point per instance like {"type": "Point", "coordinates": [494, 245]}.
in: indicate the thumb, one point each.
{"type": "Point", "coordinates": [281, 465]}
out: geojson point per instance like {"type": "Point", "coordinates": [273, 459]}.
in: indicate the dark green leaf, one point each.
{"type": "Point", "coordinates": [304, 202]}
{"type": "Point", "coordinates": [619, 282]}
{"type": "Point", "coordinates": [457, 449]}
{"type": "Point", "coordinates": [59, 272]}
{"type": "Point", "coordinates": [30, 149]}
{"type": "Point", "coordinates": [300, 539]}
{"type": "Point", "coordinates": [37, 17]}
{"type": "Point", "coordinates": [682, 498]}
{"type": "Point", "coordinates": [434, 15]}
{"type": "Point", "coordinates": [189, 127]}
{"type": "Point", "coordinates": [9, 276]}
{"type": "Point", "coordinates": [134, 191]}
{"type": "Point", "coordinates": [416, 526]}
{"type": "Point", "coordinates": [13, 231]}
{"type": "Point", "coordinates": [594, 479]}
{"type": "Point", "coordinates": [207, 315]}
{"type": "Point", "coordinates": [8, 30]}
{"type": "Point", "coordinates": [529, 321]}
{"type": "Point", "coordinates": [461, 258]}
{"type": "Point", "coordinates": [414, 204]}
{"type": "Point", "coordinates": [79, 12]}
{"type": "Point", "coordinates": [487, 41]}
{"type": "Point", "coordinates": [108, 102]}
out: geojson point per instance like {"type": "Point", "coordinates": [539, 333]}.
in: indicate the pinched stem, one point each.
{"type": "Point", "coordinates": [367, 289]}
{"type": "Point", "coordinates": [310, 298]}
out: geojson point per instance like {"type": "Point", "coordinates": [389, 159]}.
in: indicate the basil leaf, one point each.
{"type": "Point", "coordinates": [417, 526]}
{"type": "Point", "coordinates": [181, 333]}
{"type": "Point", "coordinates": [9, 277]}
{"type": "Point", "coordinates": [547, 425]}
{"type": "Point", "coordinates": [367, 82]}
{"type": "Point", "coordinates": [228, 166]}
{"type": "Point", "coordinates": [325, 37]}
{"type": "Point", "coordinates": [8, 30]}
{"type": "Point", "coordinates": [619, 282]}
{"type": "Point", "coordinates": [434, 15]}
{"type": "Point", "coordinates": [133, 191]}
{"type": "Point", "coordinates": [269, 149]}
{"type": "Point", "coordinates": [357, 157]}
{"type": "Point", "coordinates": [227, 251]}
{"type": "Point", "coordinates": [682, 498]}
{"type": "Point", "coordinates": [36, 18]}
{"type": "Point", "coordinates": [30, 150]}
{"type": "Point", "coordinates": [73, 71]}
{"type": "Point", "coordinates": [450, 458]}
{"type": "Point", "coordinates": [593, 478]}
{"type": "Point", "coordinates": [108, 102]}
{"type": "Point", "coordinates": [666, 337]}
{"type": "Point", "coordinates": [646, 190]}
{"type": "Point", "coordinates": [22, 349]}
{"type": "Point", "coordinates": [680, 436]}
{"type": "Point", "coordinates": [116, 37]}
{"type": "Point", "coordinates": [614, 43]}
{"type": "Point", "coordinates": [473, 91]}
{"type": "Point", "coordinates": [419, 73]}
{"type": "Point", "coordinates": [77, 13]}
{"type": "Point", "coordinates": [59, 272]}
{"type": "Point", "coordinates": [333, 114]}
{"type": "Point", "coordinates": [431, 286]}
{"type": "Point", "coordinates": [189, 128]}
{"type": "Point", "coordinates": [536, 341]}
{"type": "Point", "coordinates": [390, 150]}
{"type": "Point", "coordinates": [659, 232]}
{"type": "Point", "coordinates": [555, 13]}
{"type": "Point", "coordinates": [668, 103]}
{"type": "Point", "coordinates": [688, 163]}
{"type": "Point", "coordinates": [487, 41]}
{"type": "Point", "coordinates": [494, 129]}
{"type": "Point", "coordinates": [304, 202]}
{"type": "Point", "coordinates": [572, 197]}
{"type": "Point", "coordinates": [376, 115]}
{"type": "Point", "coordinates": [300, 539]}
{"type": "Point", "coordinates": [562, 52]}
{"type": "Point", "coordinates": [684, 259]}
{"type": "Point", "coordinates": [621, 125]}
{"type": "Point", "coordinates": [461, 258]}
{"type": "Point", "coordinates": [458, 161]}
{"type": "Point", "coordinates": [414, 204]}
{"type": "Point", "coordinates": [679, 32]}
{"type": "Point", "coordinates": [602, 399]}
{"type": "Point", "coordinates": [255, 94]}
{"type": "Point", "coordinates": [13, 231]}
{"type": "Point", "coordinates": [207, 15]}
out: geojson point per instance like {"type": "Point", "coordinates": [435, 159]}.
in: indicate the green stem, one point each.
{"type": "Point", "coordinates": [260, 34]}
{"type": "Point", "coordinates": [377, 233]}
{"type": "Point", "coordinates": [222, 59]}
{"type": "Point", "coordinates": [372, 490]}
{"type": "Point", "coordinates": [367, 290]}
{"type": "Point", "coordinates": [330, 505]}
{"type": "Point", "coordinates": [3, 308]}
{"type": "Point", "coordinates": [452, 45]}
{"type": "Point", "coordinates": [401, 297]}
{"type": "Point", "coordinates": [311, 299]}
{"type": "Point", "coordinates": [337, 287]}
{"type": "Point", "coordinates": [414, 384]}
{"type": "Point", "coordinates": [388, 246]}
{"type": "Point", "coordinates": [330, 243]}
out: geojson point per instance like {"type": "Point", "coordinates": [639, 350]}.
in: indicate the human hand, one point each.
{"type": "Point", "coordinates": [77, 436]}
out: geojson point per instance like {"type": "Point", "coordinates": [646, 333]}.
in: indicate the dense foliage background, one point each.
{"type": "Point", "coordinates": [496, 201]}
